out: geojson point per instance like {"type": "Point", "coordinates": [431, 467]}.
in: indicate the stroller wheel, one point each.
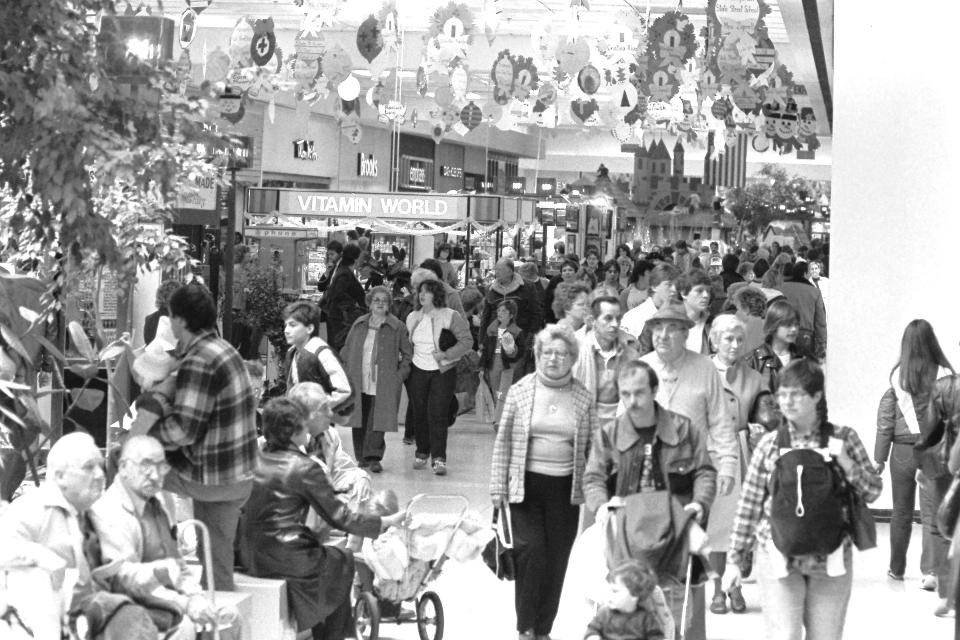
{"type": "Point", "coordinates": [430, 617]}
{"type": "Point", "coordinates": [366, 616]}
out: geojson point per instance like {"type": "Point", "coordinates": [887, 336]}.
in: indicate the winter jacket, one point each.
{"type": "Point", "coordinates": [490, 346]}
{"type": "Point", "coordinates": [807, 300]}
{"type": "Point", "coordinates": [316, 362]}
{"type": "Point", "coordinates": [529, 313]}
{"type": "Point", "coordinates": [616, 454]}
{"type": "Point", "coordinates": [764, 360]}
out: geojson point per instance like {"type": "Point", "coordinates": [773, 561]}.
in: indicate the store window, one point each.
{"type": "Point", "coordinates": [311, 183]}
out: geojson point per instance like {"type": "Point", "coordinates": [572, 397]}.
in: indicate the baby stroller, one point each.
{"type": "Point", "coordinates": [424, 540]}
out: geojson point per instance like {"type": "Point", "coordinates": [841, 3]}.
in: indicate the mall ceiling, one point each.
{"type": "Point", "coordinates": [800, 30]}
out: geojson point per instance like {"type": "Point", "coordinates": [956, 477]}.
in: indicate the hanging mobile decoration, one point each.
{"type": "Point", "coordinates": [369, 38]}
{"type": "Point", "coordinates": [586, 111]}
{"type": "Point", "coordinates": [471, 116]}
{"type": "Point", "coordinates": [263, 44]}
{"type": "Point", "coordinates": [588, 79]}
{"type": "Point", "coordinates": [240, 44]}
{"type": "Point", "coordinates": [187, 27]}
{"type": "Point", "coordinates": [336, 65]}
{"type": "Point", "coordinates": [450, 35]}
{"type": "Point", "coordinates": [491, 19]}
{"type": "Point", "coordinates": [502, 73]}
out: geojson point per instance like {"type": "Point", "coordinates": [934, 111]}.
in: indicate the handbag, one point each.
{"type": "Point", "coordinates": [446, 340]}
{"type": "Point", "coordinates": [949, 509]}
{"type": "Point", "coordinates": [498, 554]}
{"type": "Point", "coordinates": [863, 528]}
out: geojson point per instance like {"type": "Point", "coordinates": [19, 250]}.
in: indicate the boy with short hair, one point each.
{"type": "Point", "coordinates": [628, 613]}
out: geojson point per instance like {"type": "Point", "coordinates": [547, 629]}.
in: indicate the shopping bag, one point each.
{"type": "Point", "coordinates": [484, 406]}
{"type": "Point", "coordinates": [498, 554]}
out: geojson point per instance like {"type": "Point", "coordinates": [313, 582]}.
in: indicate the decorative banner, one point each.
{"type": "Point", "coordinates": [369, 38]}
{"type": "Point", "coordinates": [450, 35]}
{"type": "Point", "coordinates": [240, 41]}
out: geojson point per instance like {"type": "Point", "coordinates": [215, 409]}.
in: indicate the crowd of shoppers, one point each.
{"type": "Point", "coordinates": [680, 384]}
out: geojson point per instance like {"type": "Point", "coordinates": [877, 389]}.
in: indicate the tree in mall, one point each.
{"type": "Point", "coordinates": [87, 160]}
{"type": "Point", "coordinates": [775, 195]}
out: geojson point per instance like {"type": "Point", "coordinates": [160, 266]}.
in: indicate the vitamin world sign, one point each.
{"type": "Point", "coordinates": [372, 205]}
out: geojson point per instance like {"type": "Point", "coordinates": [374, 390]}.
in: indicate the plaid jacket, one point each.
{"type": "Point", "coordinates": [510, 449]}
{"type": "Point", "coordinates": [752, 521]}
{"type": "Point", "coordinates": [211, 424]}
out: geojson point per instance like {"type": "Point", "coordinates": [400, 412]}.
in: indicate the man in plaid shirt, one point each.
{"type": "Point", "coordinates": [209, 427]}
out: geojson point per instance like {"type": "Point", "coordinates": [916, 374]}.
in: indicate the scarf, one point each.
{"type": "Point", "coordinates": [905, 399]}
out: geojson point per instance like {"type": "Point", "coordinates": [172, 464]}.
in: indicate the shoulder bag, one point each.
{"type": "Point", "coordinates": [949, 509]}
{"type": "Point", "coordinates": [498, 554]}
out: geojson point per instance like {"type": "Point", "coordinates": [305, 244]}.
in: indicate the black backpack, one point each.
{"type": "Point", "coordinates": [807, 513]}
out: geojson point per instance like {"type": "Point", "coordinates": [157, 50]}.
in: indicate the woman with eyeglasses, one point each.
{"type": "Point", "coordinates": [377, 356]}
{"type": "Point", "coordinates": [537, 473]}
{"type": "Point", "coordinates": [804, 592]}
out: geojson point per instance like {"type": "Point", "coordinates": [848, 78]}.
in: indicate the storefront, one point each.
{"type": "Point", "coordinates": [365, 167]}
{"type": "Point", "coordinates": [300, 151]}
{"type": "Point", "coordinates": [305, 220]}
{"type": "Point", "coordinates": [449, 167]}
{"type": "Point", "coordinates": [416, 170]}
{"type": "Point", "coordinates": [474, 169]}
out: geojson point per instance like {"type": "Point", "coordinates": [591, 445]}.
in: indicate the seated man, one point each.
{"type": "Point", "coordinates": [137, 540]}
{"type": "Point", "coordinates": [349, 481]}
{"type": "Point", "coordinates": [49, 528]}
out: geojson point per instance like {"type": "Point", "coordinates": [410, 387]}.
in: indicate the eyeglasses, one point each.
{"type": "Point", "coordinates": [162, 467]}
{"type": "Point", "coordinates": [559, 355]}
{"type": "Point", "coordinates": [379, 301]}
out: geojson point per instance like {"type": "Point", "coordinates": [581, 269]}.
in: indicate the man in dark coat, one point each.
{"type": "Point", "coordinates": [808, 301]}
{"type": "Point", "coordinates": [510, 286]}
{"type": "Point", "coordinates": [344, 300]}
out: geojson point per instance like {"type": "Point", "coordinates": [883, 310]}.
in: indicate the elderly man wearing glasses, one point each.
{"type": "Point", "coordinates": [136, 540]}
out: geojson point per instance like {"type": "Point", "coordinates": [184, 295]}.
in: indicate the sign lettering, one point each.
{"type": "Point", "coordinates": [300, 203]}
{"type": "Point", "coordinates": [303, 150]}
{"type": "Point", "coordinates": [418, 174]}
{"type": "Point", "coordinates": [451, 172]}
{"type": "Point", "coordinates": [367, 166]}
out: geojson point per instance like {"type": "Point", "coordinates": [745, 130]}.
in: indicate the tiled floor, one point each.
{"type": "Point", "coordinates": [476, 605]}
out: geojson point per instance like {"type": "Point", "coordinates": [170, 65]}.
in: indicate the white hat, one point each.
{"type": "Point", "coordinates": [156, 362]}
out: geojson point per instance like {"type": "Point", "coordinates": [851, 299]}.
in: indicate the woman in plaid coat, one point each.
{"type": "Point", "coordinates": [537, 471]}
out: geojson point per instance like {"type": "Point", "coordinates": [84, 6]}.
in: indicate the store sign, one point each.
{"type": "Point", "coordinates": [367, 166]}
{"type": "Point", "coordinates": [516, 186]}
{"type": "Point", "coordinates": [546, 186]}
{"type": "Point", "coordinates": [298, 203]}
{"type": "Point", "coordinates": [303, 150]}
{"type": "Point", "coordinates": [451, 172]}
{"type": "Point", "coordinates": [416, 173]}
{"type": "Point", "coordinates": [266, 232]}
{"type": "Point", "coordinates": [204, 196]}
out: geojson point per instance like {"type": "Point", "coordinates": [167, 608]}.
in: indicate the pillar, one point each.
{"type": "Point", "coordinates": [895, 236]}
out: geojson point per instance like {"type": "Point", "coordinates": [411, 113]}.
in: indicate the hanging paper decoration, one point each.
{"type": "Point", "coordinates": [263, 44]}
{"type": "Point", "coordinates": [807, 133]}
{"type": "Point", "coordinates": [349, 89]}
{"type": "Point", "coordinates": [422, 80]}
{"type": "Point", "coordinates": [336, 65]}
{"type": "Point", "coordinates": [240, 41]}
{"type": "Point", "coordinates": [198, 5]}
{"type": "Point", "coordinates": [588, 79]}
{"type": "Point", "coordinates": [459, 82]}
{"type": "Point", "coordinates": [376, 95]}
{"type": "Point", "coordinates": [187, 27]}
{"type": "Point", "coordinates": [491, 19]}
{"type": "Point", "coordinates": [450, 34]}
{"type": "Point", "coordinates": [394, 111]}
{"type": "Point", "coordinates": [586, 111]}
{"type": "Point", "coordinates": [353, 133]}
{"type": "Point", "coordinates": [546, 97]}
{"type": "Point", "coordinates": [232, 107]}
{"type": "Point", "coordinates": [443, 97]}
{"type": "Point", "coordinates": [502, 74]}
{"type": "Point", "coordinates": [572, 55]}
{"type": "Point", "coordinates": [369, 38]}
{"type": "Point", "coordinates": [471, 116]}
{"type": "Point", "coordinates": [389, 27]}
{"type": "Point", "coordinates": [217, 66]}
{"type": "Point", "coordinates": [526, 79]}
{"type": "Point", "coordinates": [437, 131]}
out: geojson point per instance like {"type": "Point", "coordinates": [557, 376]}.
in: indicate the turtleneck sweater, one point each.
{"type": "Point", "coordinates": [553, 428]}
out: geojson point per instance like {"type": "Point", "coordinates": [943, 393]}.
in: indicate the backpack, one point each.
{"type": "Point", "coordinates": [808, 500]}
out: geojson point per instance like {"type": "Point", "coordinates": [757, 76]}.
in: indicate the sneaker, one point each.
{"type": "Point", "coordinates": [894, 576]}
{"type": "Point", "coordinates": [737, 603]}
{"type": "Point", "coordinates": [943, 610]}
{"type": "Point", "coordinates": [719, 603]}
{"type": "Point", "coordinates": [408, 441]}
{"type": "Point", "coordinates": [439, 467]}
{"type": "Point", "coordinates": [929, 582]}
{"type": "Point", "coordinates": [375, 466]}
{"type": "Point", "coordinates": [419, 463]}
{"type": "Point", "coordinates": [525, 635]}
{"type": "Point", "coordinates": [363, 464]}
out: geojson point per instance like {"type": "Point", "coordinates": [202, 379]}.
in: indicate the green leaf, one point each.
{"type": "Point", "coordinates": [11, 339]}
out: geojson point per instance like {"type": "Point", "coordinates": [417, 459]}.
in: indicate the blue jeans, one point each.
{"type": "Point", "coordinates": [931, 495]}
{"type": "Point", "coordinates": [903, 481]}
{"type": "Point", "coordinates": [803, 600]}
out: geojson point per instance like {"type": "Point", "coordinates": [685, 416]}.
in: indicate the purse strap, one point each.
{"type": "Point", "coordinates": [503, 526]}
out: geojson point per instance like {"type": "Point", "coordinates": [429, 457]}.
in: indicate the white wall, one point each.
{"type": "Point", "coordinates": [895, 228]}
